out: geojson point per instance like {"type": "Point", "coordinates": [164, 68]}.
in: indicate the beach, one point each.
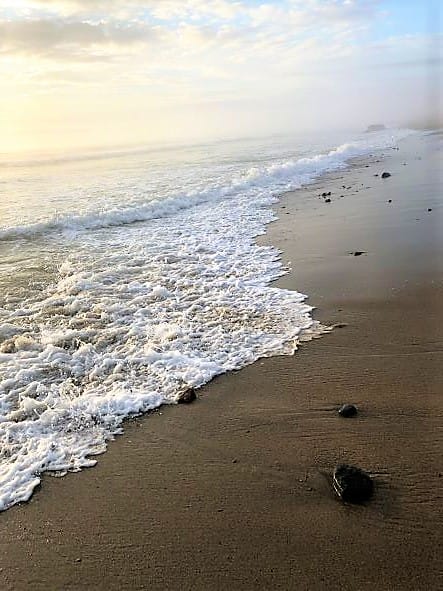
{"type": "Point", "coordinates": [234, 491]}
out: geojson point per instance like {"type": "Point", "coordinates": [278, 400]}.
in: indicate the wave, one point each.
{"type": "Point", "coordinates": [279, 177]}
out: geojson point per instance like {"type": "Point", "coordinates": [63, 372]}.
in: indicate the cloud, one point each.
{"type": "Point", "coordinates": [50, 37]}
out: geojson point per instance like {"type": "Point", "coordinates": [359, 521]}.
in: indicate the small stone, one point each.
{"type": "Point", "coordinates": [429, 208]}
{"type": "Point", "coordinates": [358, 253]}
{"type": "Point", "coordinates": [327, 200]}
{"type": "Point", "coordinates": [187, 397]}
{"type": "Point", "coordinates": [234, 461]}
{"type": "Point", "coordinates": [78, 560]}
{"type": "Point", "coordinates": [324, 194]}
{"type": "Point", "coordinates": [385, 175]}
{"type": "Point", "coordinates": [347, 410]}
{"type": "Point", "coordinates": [389, 200]}
{"type": "Point", "coordinates": [376, 175]}
{"type": "Point", "coordinates": [352, 484]}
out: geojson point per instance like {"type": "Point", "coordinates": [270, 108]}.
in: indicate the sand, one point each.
{"type": "Point", "coordinates": [234, 491]}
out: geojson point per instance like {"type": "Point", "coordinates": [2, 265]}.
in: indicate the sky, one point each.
{"type": "Point", "coordinates": [78, 73]}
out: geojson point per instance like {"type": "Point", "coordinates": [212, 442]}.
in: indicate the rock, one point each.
{"type": "Point", "coordinates": [352, 484]}
{"type": "Point", "coordinates": [385, 175]}
{"type": "Point", "coordinates": [389, 200]}
{"type": "Point", "coordinates": [376, 175]}
{"type": "Point", "coordinates": [358, 253]}
{"type": "Point", "coordinates": [329, 201]}
{"type": "Point", "coordinates": [375, 127]}
{"type": "Point", "coordinates": [347, 410]}
{"type": "Point", "coordinates": [429, 208]}
{"type": "Point", "coordinates": [187, 397]}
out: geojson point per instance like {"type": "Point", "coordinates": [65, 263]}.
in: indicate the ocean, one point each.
{"type": "Point", "coordinates": [128, 276]}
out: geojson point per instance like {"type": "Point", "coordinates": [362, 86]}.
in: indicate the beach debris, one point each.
{"type": "Point", "coordinates": [187, 396]}
{"type": "Point", "coordinates": [358, 253]}
{"type": "Point", "coordinates": [385, 175]}
{"type": "Point", "coordinates": [352, 484]}
{"type": "Point", "coordinates": [347, 410]}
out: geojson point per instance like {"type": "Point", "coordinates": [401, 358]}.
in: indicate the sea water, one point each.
{"type": "Point", "coordinates": [130, 276]}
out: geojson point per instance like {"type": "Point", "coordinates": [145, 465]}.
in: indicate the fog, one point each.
{"type": "Point", "coordinates": [76, 73]}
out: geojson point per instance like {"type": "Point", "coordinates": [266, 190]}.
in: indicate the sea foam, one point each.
{"type": "Point", "coordinates": [144, 312]}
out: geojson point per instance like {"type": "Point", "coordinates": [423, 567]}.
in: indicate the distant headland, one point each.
{"type": "Point", "coordinates": [376, 127]}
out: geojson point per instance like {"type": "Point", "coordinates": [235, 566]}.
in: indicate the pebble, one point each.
{"type": "Point", "coordinates": [352, 484]}
{"type": "Point", "coordinates": [347, 410]}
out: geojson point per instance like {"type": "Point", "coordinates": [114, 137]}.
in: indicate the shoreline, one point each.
{"type": "Point", "coordinates": [237, 492]}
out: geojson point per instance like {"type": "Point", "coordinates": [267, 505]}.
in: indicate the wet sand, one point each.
{"type": "Point", "coordinates": [234, 491]}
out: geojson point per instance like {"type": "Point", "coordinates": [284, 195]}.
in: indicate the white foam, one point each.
{"type": "Point", "coordinates": [165, 307]}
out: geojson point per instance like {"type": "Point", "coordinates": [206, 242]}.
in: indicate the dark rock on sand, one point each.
{"type": "Point", "coordinates": [347, 410]}
{"type": "Point", "coordinates": [389, 200]}
{"type": "Point", "coordinates": [429, 208]}
{"type": "Point", "coordinates": [385, 175]}
{"type": "Point", "coordinates": [187, 397]}
{"type": "Point", "coordinates": [352, 484]}
{"type": "Point", "coordinates": [327, 200]}
{"type": "Point", "coordinates": [358, 253]}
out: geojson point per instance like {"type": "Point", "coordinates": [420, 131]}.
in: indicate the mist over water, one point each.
{"type": "Point", "coordinates": [127, 278]}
